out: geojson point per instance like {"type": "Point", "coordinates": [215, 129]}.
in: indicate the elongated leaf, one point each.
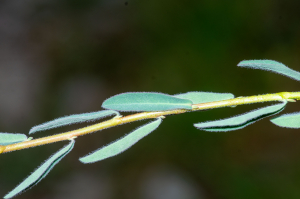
{"type": "Point", "coordinates": [240, 121]}
{"type": "Point", "coordinates": [271, 65]}
{"type": "Point", "coordinates": [122, 144]}
{"type": "Point", "coordinates": [41, 172]}
{"type": "Point", "coordinates": [11, 138]}
{"type": "Point", "coordinates": [291, 120]}
{"type": "Point", "coordinates": [145, 101]}
{"type": "Point", "coordinates": [72, 119]}
{"type": "Point", "coordinates": [203, 97]}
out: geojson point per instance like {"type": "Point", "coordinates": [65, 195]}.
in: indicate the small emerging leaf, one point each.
{"type": "Point", "coordinates": [41, 172]}
{"type": "Point", "coordinates": [122, 144]}
{"type": "Point", "coordinates": [203, 97]}
{"type": "Point", "coordinates": [11, 138]}
{"type": "Point", "coordinates": [271, 65]}
{"type": "Point", "coordinates": [145, 101]}
{"type": "Point", "coordinates": [291, 120]}
{"type": "Point", "coordinates": [240, 121]}
{"type": "Point", "coordinates": [72, 119]}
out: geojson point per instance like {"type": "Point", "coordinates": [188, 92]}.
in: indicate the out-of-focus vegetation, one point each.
{"type": "Point", "coordinates": [65, 57]}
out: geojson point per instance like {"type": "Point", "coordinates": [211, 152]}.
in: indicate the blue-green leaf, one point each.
{"type": "Point", "coordinates": [203, 97]}
{"type": "Point", "coordinates": [122, 144]}
{"type": "Point", "coordinates": [240, 121]}
{"type": "Point", "coordinates": [271, 65]}
{"type": "Point", "coordinates": [291, 120]}
{"type": "Point", "coordinates": [11, 138]}
{"type": "Point", "coordinates": [41, 172]}
{"type": "Point", "coordinates": [145, 101]}
{"type": "Point", "coordinates": [72, 119]}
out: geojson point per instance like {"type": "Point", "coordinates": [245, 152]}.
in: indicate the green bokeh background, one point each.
{"type": "Point", "coordinates": [170, 47]}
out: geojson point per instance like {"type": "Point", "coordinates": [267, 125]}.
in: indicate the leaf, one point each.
{"type": "Point", "coordinates": [203, 97]}
{"type": "Point", "coordinates": [11, 138]}
{"type": "Point", "coordinates": [72, 119]}
{"type": "Point", "coordinates": [122, 144]}
{"type": "Point", "coordinates": [42, 171]}
{"type": "Point", "coordinates": [240, 121]}
{"type": "Point", "coordinates": [271, 65]}
{"type": "Point", "coordinates": [145, 101]}
{"type": "Point", "coordinates": [291, 120]}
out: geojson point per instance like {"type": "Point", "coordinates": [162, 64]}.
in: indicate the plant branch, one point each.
{"type": "Point", "coordinates": [290, 96]}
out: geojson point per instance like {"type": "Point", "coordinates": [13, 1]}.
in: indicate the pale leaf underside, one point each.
{"type": "Point", "coordinates": [240, 121]}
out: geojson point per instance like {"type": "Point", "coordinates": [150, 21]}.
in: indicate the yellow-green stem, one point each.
{"type": "Point", "coordinates": [147, 115]}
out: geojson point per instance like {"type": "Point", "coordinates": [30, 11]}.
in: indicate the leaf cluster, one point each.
{"type": "Point", "coordinates": [153, 102]}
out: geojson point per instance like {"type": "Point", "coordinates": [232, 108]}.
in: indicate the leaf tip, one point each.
{"type": "Point", "coordinates": [31, 131]}
{"type": "Point", "coordinates": [82, 160]}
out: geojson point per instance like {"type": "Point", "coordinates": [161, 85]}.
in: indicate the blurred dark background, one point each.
{"type": "Point", "coordinates": [61, 57]}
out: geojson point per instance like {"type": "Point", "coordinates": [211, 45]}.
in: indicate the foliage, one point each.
{"type": "Point", "coordinates": [157, 105]}
{"type": "Point", "coordinates": [42, 171]}
{"type": "Point", "coordinates": [240, 121]}
{"type": "Point", "coordinates": [72, 119]}
{"type": "Point", "coordinates": [145, 102]}
{"type": "Point", "coordinates": [122, 144]}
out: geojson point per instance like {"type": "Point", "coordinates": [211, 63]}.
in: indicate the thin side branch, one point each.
{"type": "Point", "coordinates": [290, 96]}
